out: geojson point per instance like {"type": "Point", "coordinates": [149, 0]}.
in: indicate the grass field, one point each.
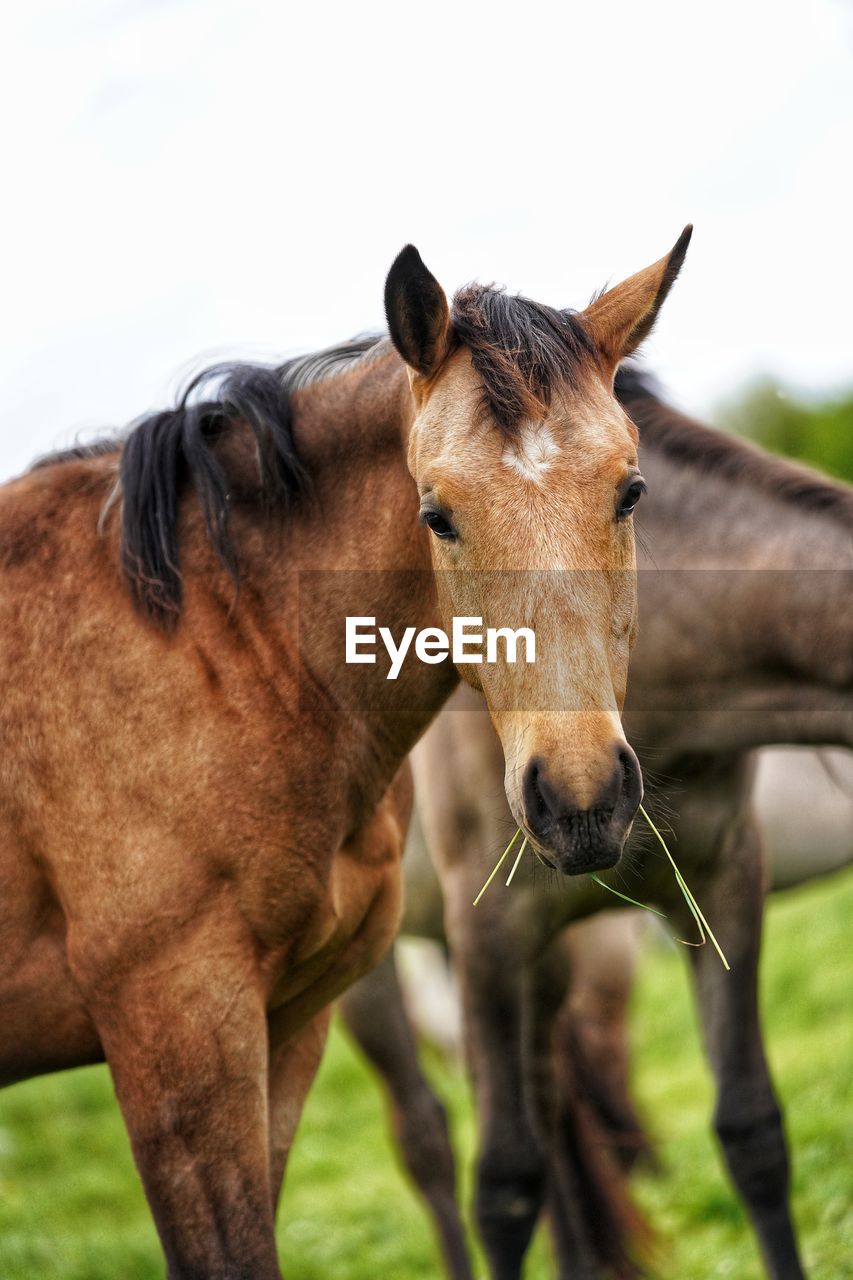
{"type": "Point", "coordinates": [71, 1207]}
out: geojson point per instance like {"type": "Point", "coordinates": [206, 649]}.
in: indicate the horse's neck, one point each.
{"type": "Point", "coordinates": [748, 608]}
{"type": "Point", "coordinates": [358, 550]}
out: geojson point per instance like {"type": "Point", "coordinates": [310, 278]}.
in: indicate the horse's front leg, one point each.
{"type": "Point", "coordinates": [292, 1067]}
{"type": "Point", "coordinates": [295, 1054]}
{"type": "Point", "coordinates": [747, 1117]}
{"type": "Point", "coordinates": [185, 1035]}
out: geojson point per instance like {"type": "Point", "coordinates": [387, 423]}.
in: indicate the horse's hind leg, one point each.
{"type": "Point", "coordinates": [376, 1016]}
{"type": "Point", "coordinates": [185, 1036]}
{"type": "Point", "coordinates": [747, 1117]}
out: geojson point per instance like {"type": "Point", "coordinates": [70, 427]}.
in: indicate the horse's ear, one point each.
{"type": "Point", "coordinates": [417, 312]}
{"type": "Point", "coordinates": [620, 319]}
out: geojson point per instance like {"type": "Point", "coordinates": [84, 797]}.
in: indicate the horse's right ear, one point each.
{"type": "Point", "coordinates": [622, 318]}
{"type": "Point", "coordinates": [417, 312]}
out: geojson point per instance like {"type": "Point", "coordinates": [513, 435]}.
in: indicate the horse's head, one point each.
{"type": "Point", "coordinates": [527, 470]}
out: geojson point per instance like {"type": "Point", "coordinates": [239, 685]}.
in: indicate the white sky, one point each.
{"type": "Point", "coordinates": [195, 178]}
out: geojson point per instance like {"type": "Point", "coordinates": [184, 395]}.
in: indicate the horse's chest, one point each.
{"type": "Point", "coordinates": [350, 922]}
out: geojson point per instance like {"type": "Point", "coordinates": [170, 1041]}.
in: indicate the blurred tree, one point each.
{"type": "Point", "coordinates": [820, 433]}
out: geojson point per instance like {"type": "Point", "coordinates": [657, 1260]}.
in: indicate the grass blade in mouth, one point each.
{"type": "Point", "coordinates": [497, 866]}
{"type": "Point", "coordinates": [518, 859]}
{"type": "Point", "coordinates": [625, 898]}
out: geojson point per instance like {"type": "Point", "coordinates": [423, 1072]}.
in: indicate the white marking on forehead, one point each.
{"type": "Point", "coordinates": [532, 454]}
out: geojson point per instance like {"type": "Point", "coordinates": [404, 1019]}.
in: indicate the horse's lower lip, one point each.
{"type": "Point", "coordinates": [589, 861]}
{"type": "Point", "coordinates": [578, 863]}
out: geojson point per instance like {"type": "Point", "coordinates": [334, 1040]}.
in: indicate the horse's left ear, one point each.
{"type": "Point", "coordinates": [417, 312]}
{"type": "Point", "coordinates": [620, 319]}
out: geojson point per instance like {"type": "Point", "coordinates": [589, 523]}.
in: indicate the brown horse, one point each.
{"type": "Point", "coordinates": [802, 801]}
{"type": "Point", "coordinates": [202, 806]}
{"type": "Point", "coordinates": [746, 603]}
{"type": "Point", "coordinates": [802, 804]}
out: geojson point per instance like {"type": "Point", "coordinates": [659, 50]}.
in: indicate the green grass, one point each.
{"type": "Point", "coordinates": [71, 1207]}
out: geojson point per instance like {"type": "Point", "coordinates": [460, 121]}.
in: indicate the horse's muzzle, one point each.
{"type": "Point", "coordinates": [573, 840]}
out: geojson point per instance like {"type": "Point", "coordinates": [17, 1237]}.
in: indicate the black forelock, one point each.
{"type": "Point", "coordinates": [522, 350]}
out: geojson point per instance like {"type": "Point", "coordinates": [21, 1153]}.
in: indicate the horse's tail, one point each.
{"type": "Point", "coordinates": [620, 1126]}
{"type": "Point", "coordinates": [619, 1234]}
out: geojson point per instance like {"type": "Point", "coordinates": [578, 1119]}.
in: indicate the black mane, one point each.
{"type": "Point", "coordinates": [161, 453]}
{"type": "Point", "coordinates": [166, 450]}
{"type": "Point", "coordinates": [521, 350]}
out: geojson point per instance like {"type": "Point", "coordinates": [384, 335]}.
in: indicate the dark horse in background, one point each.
{"type": "Point", "coordinates": [746, 639]}
{"type": "Point", "coordinates": [202, 809]}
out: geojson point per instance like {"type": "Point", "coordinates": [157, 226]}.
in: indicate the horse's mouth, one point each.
{"type": "Point", "coordinates": [544, 859]}
{"type": "Point", "coordinates": [579, 860]}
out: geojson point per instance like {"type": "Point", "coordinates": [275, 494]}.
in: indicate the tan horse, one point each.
{"type": "Point", "coordinates": [746, 639]}
{"type": "Point", "coordinates": [202, 806]}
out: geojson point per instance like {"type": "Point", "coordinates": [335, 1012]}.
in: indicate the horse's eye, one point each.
{"type": "Point", "coordinates": [630, 496]}
{"type": "Point", "coordinates": [438, 522]}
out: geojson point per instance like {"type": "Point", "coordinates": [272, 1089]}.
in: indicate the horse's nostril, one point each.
{"type": "Point", "coordinates": [541, 802]}
{"type": "Point", "coordinates": [631, 784]}
{"type": "Point", "coordinates": [536, 807]}
{"type": "Point", "coordinates": [612, 793]}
